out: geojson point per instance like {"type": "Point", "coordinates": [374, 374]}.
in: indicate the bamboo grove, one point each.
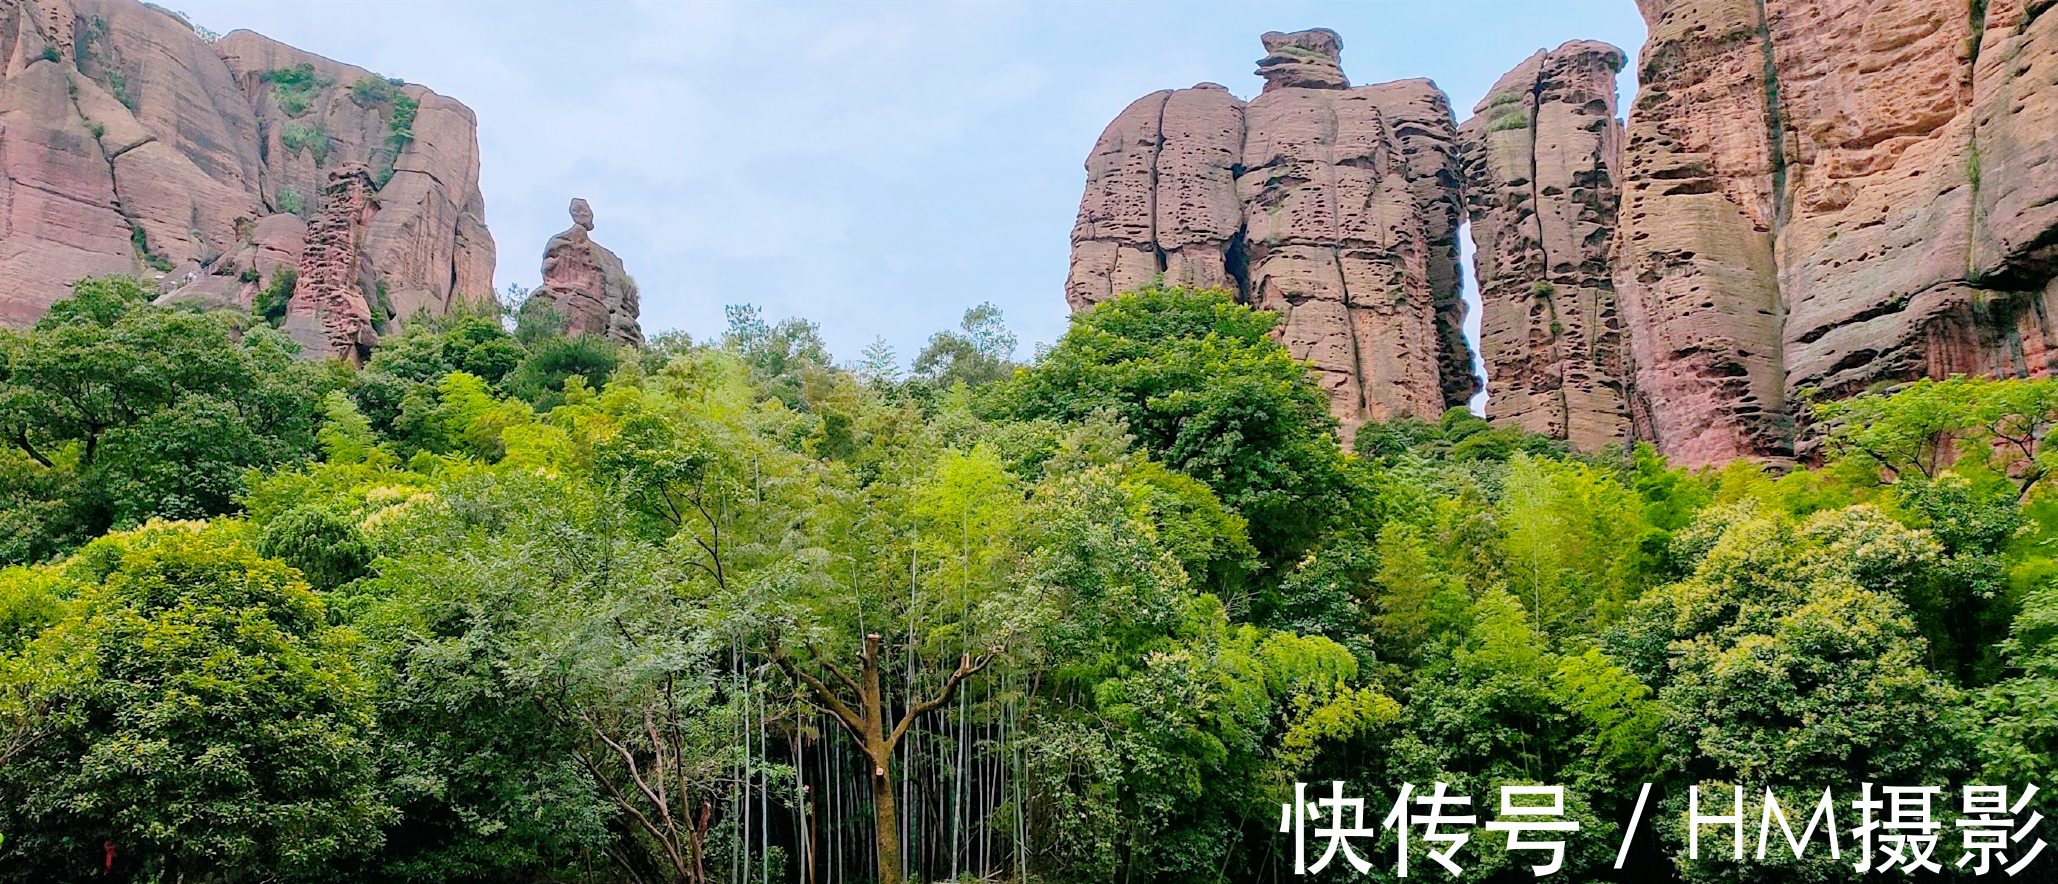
{"type": "Point", "coordinates": [509, 606]}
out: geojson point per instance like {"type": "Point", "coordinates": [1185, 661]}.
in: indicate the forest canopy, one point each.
{"type": "Point", "coordinates": [535, 608]}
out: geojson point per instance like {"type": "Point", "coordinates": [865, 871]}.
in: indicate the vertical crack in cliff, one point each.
{"type": "Point", "coordinates": [1775, 120]}
{"type": "Point", "coordinates": [1360, 376]}
{"type": "Point", "coordinates": [1157, 155]}
{"type": "Point", "coordinates": [1236, 259]}
{"type": "Point", "coordinates": [138, 237]}
{"type": "Point", "coordinates": [1775, 146]}
{"type": "Point", "coordinates": [1978, 11]}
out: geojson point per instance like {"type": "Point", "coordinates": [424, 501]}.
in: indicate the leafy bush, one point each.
{"type": "Point", "coordinates": [291, 202]}
{"type": "Point", "coordinates": [371, 89]}
{"type": "Point", "coordinates": [296, 87]}
{"type": "Point", "coordinates": [541, 378]}
{"type": "Point", "coordinates": [401, 125]}
{"type": "Point", "coordinates": [296, 137]}
{"type": "Point", "coordinates": [1511, 120]}
{"type": "Point", "coordinates": [118, 83]}
{"type": "Point", "coordinates": [271, 303]}
{"type": "Point", "coordinates": [327, 549]}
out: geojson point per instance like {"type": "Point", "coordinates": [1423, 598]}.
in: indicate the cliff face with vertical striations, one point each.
{"type": "Point", "coordinates": [1815, 199]}
{"type": "Point", "coordinates": [131, 143]}
{"type": "Point", "coordinates": [1821, 197]}
{"type": "Point", "coordinates": [1336, 206]}
{"type": "Point", "coordinates": [1542, 153]}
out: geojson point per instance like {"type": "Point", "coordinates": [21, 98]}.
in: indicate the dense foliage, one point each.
{"type": "Point", "coordinates": [530, 608]}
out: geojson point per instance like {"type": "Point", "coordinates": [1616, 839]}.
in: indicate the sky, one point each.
{"type": "Point", "coordinates": [876, 167]}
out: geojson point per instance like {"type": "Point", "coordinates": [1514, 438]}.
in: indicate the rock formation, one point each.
{"type": "Point", "coordinates": [1542, 152]}
{"type": "Point", "coordinates": [585, 290]}
{"type": "Point", "coordinates": [1820, 197]}
{"type": "Point", "coordinates": [132, 144]}
{"type": "Point", "coordinates": [336, 303]}
{"type": "Point", "coordinates": [1336, 206]}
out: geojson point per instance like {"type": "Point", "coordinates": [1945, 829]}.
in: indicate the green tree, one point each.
{"type": "Point", "coordinates": [1788, 661]}
{"type": "Point", "coordinates": [540, 379]}
{"type": "Point", "coordinates": [780, 356]}
{"type": "Point", "coordinates": [2019, 741]}
{"type": "Point", "coordinates": [136, 411]}
{"type": "Point", "coordinates": [1200, 383]}
{"type": "Point", "coordinates": [980, 351]}
{"type": "Point", "coordinates": [328, 550]}
{"type": "Point", "coordinates": [217, 727]}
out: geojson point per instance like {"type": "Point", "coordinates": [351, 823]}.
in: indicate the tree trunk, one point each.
{"type": "Point", "coordinates": [885, 816]}
{"type": "Point", "coordinates": [867, 725]}
{"type": "Point", "coordinates": [886, 823]}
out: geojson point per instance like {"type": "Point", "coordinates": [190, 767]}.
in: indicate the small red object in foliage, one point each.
{"type": "Point", "coordinates": [110, 855]}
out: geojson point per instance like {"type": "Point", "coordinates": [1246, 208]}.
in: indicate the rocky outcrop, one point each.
{"type": "Point", "coordinates": [130, 143]}
{"type": "Point", "coordinates": [429, 241]}
{"type": "Point", "coordinates": [1821, 197]}
{"type": "Point", "coordinates": [1161, 197]}
{"type": "Point", "coordinates": [585, 291]}
{"type": "Point", "coordinates": [1542, 152]}
{"type": "Point", "coordinates": [1337, 207]}
{"type": "Point", "coordinates": [337, 302]}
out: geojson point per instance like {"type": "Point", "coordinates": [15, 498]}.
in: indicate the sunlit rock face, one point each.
{"type": "Point", "coordinates": [585, 290]}
{"type": "Point", "coordinates": [1336, 206]}
{"type": "Point", "coordinates": [1542, 157]}
{"type": "Point", "coordinates": [1822, 197]}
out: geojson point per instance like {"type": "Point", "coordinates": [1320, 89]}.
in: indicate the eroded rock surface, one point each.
{"type": "Point", "coordinates": [1336, 206]}
{"type": "Point", "coordinates": [132, 144]}
{"type": "Point", "coordinates": [585, 290]}
{"type": "Point", "coordinates": [1821, 197]}
{"type": "Point", "coordinates": [336, 305]}
{"type": "Point", "coordinates": [1542, 153]}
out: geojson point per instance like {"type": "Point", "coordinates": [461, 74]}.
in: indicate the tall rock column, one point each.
{"type": "Point", "coordinates": [1160, 197]}
{"type": "Point", "coordinates": [336, 309]}
{"type": "Point", "coordinates": [1694, 254]}
{"type": "Point", "coordinates": [1542, 152]}
{"type": "Point", "coordinates": [2015, 195]}
{"type": "Point", "coordinates": [1423, 128]}
{"type": "Point", "coordinates": [1335, 236]}
{"type": "Point", "coordinates": [1337, 207]}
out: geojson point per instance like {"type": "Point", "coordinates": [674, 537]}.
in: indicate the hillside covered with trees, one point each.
{"type": "Point", "coordinates": [512, 607]}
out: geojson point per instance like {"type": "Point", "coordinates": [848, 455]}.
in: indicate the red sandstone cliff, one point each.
{"type": "Point", "coordinates": [1542, 153]}
{"type": "Point", "coordinates": [1820, 197]}
{"type": "Point", "coordinates": [131, 144]}
{"type": "Point", "coordinates": [1336, 206]}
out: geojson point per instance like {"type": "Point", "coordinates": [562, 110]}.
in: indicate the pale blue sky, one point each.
{"type": "Point", "coordinates": [874, 166]}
